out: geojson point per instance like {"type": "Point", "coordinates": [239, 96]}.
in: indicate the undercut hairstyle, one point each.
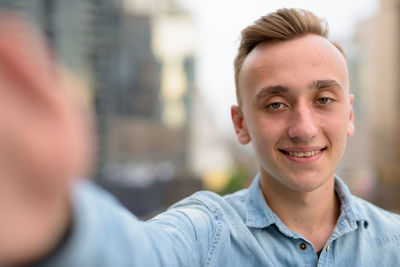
{"type": "Point", "coordinates": [284, 24]}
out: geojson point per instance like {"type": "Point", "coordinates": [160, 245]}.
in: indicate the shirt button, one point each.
{"type": "Point", "coordinates": [303, 246]}
{"type": "Point", "coordinates": [327, 247]}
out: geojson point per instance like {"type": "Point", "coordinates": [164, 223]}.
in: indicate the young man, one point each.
{"type": "Point", "coordinates": [294, 106]}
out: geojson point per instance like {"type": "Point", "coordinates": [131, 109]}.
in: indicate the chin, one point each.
{"type": "Point", "coordinates": [304, 183]}
{"type": "Point", "coordinates": [305, 188]}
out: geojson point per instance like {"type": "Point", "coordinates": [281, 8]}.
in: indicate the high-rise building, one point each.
{"type": "Point", "coordinates": [149, 125]}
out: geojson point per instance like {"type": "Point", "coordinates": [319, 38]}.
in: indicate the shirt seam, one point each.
{"type": "Point", "coordinates": [194, 229]}
{"type": "Point", "coordinates": [216, 212]}
{"type": "Point", "coordinates": [213, 244]}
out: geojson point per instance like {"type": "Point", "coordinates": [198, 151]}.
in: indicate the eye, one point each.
{"type": "Point", "coordinates": [276, 105]}
{"type": "Point", "coordinates": [324, 100]}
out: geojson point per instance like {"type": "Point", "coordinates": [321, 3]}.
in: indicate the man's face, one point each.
{"type": "Point", "coordinates": [296, 110]}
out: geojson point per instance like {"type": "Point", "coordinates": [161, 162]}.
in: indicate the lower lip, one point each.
{"type": "Point", "coordinates": [304, 160]}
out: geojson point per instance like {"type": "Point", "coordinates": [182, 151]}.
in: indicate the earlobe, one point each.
{"type": "Point", "coordinates": [240, 125]}
{"type": "Point", "coordinates": [350, 127]}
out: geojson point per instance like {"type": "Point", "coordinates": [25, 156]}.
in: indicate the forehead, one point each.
{"type": "Point", "coordinates": [294, 64]}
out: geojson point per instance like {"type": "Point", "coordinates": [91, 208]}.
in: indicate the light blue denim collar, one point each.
{"type": "Point", "coordinates": [260, 215]}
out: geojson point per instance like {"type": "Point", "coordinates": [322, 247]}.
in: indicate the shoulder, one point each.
{"type": "Point", "coordinates": [384, 225]}
{"type": "Point", "coordinates": [205, 218]}
{"type": "Point", "coordinates": [208, 211]}
{"type": "Point", "coordinates": [377, 214]}
{"type": "Point", "coordinates": [216, 206]}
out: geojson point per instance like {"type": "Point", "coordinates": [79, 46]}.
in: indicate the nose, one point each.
{"type": "Point", "coordinates": [303, 126]}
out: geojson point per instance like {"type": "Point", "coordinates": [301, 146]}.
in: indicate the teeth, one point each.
{"type": "Point", "coordinates": [304, 154]}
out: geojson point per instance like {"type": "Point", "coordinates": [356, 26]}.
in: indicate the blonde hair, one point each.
{"type": "Point", "coordinates": [284, 24]}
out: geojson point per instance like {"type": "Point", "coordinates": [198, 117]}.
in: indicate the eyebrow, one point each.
{"type": "Point", "coordinates": [281, 89]}
{"type": "Point", "coordinates": [321, 84]}
{"type": "Point", "coordinates": [272, 90]}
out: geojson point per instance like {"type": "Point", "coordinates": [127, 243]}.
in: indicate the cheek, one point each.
{"type": "Point", "coordinates": [335, 129]}
{"type": "Point", "coordinates": [265, 135]}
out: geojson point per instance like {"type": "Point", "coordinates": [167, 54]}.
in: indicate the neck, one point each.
{"type": "Point", "coordinates": [313, 214]}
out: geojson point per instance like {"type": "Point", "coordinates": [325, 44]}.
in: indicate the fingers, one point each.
{"type": "Point", "coordinates": [25, 57]}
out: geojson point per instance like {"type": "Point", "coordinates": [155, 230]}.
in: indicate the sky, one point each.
{"type": "Point", "coordinates": [218, 24]}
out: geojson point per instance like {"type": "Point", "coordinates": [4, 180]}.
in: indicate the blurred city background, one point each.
{"type": "Point", "coordinates": [159, 75]}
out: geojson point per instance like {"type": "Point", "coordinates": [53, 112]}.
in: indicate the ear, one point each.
{"type": "Point", "coordinates": [350, 126]}
{"type": "Point", "coordinates": [240, 125]}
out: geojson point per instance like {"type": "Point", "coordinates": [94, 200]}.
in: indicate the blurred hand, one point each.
{"type": "Point", "coordinates": [44, 144]}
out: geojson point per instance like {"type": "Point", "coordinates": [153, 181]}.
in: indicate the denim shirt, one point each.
{"type": "Point", "coordinates": [206, 229]}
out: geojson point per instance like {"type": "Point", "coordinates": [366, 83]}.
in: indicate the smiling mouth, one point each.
{"type": "Point", "coordinates": [302, 154]}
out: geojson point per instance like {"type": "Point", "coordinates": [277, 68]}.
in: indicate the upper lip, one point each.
{"type": "Point", "coordinates": [302, 149]}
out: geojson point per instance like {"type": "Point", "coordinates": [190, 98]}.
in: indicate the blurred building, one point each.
{"type": "Point", "coordinates": [139, 72]}
{"type": "Point", "coordinates": [149, 125]}
{"type": "Point", "coordinates": [148, 128]}
{"type": "Point", "coordinates": [379, 39]}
